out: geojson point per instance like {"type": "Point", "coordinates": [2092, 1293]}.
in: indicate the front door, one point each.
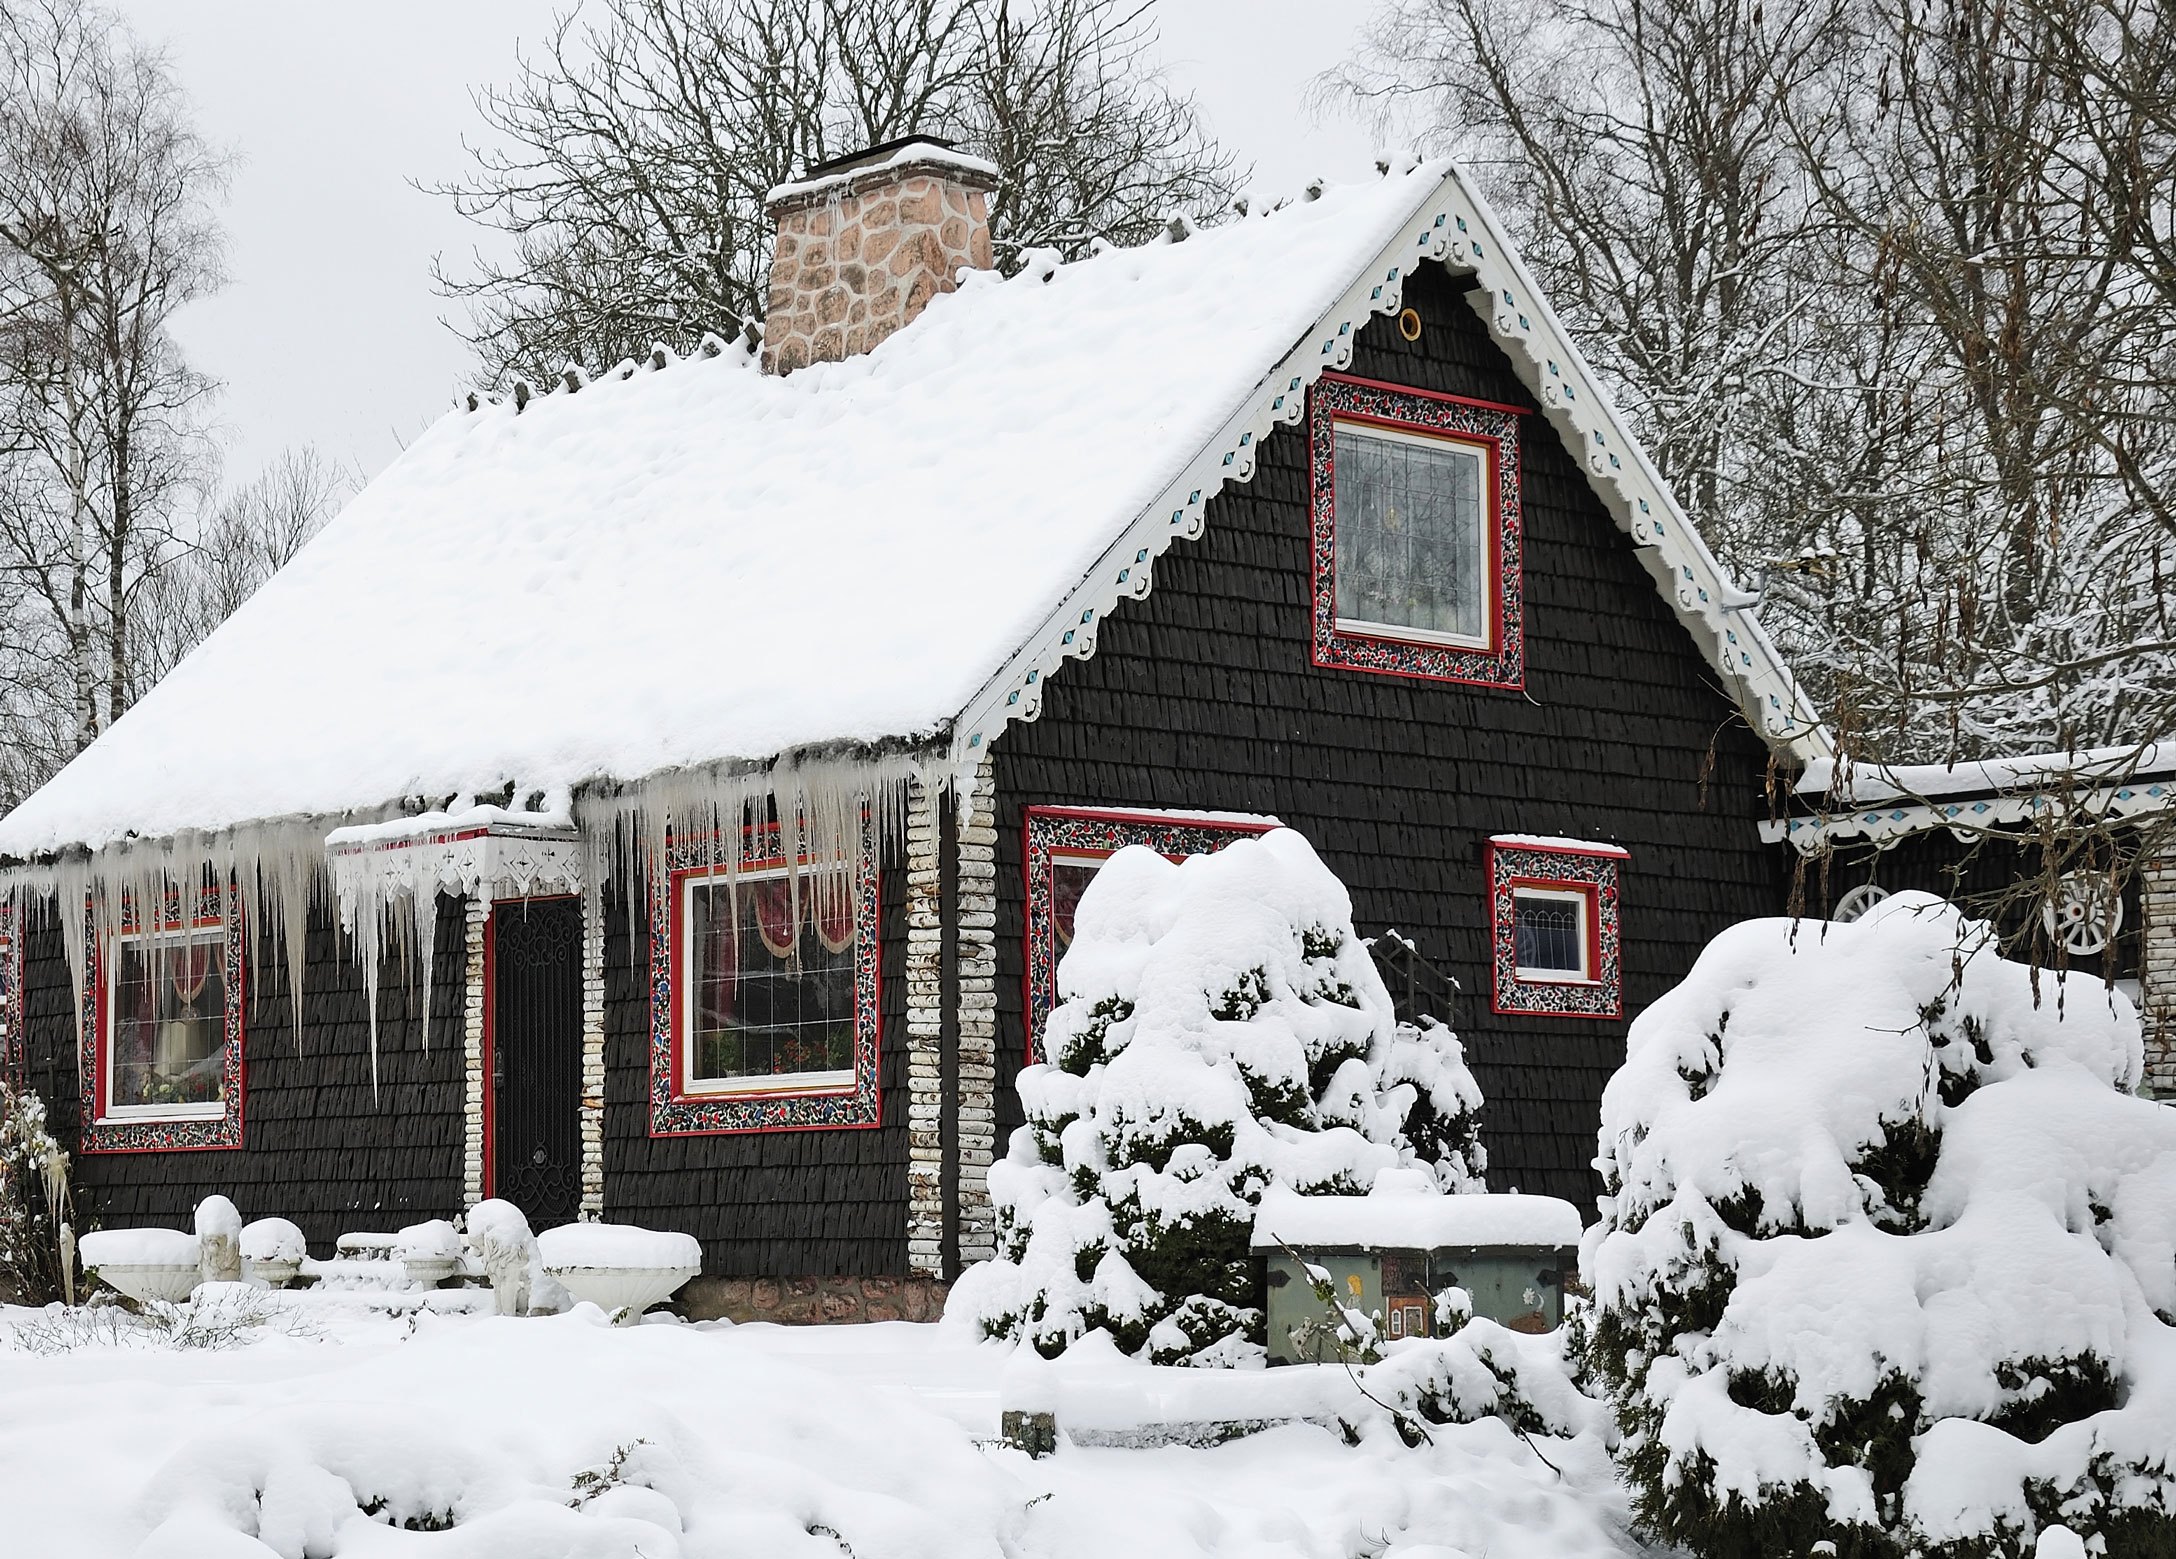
{"type": "Point", "coordinates": [536, 1052]}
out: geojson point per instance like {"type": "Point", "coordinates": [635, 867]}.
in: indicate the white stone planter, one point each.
{"type": "Point", "coordinates": [620, 1269]}
{"type": "Point", "coordinates": [430, 1271]}
{"type": "Point", "coordinates": [143, 1263]}
{"type": "Point", "coordinates": [272, 1272]}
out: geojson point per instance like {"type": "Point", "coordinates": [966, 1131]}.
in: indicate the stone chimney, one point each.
{"type": "Point", "coordinates": [864, 242]}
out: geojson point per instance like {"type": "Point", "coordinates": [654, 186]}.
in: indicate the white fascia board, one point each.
{"type": "Point", "coordinates": [1452, 225]}
{"type": "Point", "coordinates": [1967, 817]}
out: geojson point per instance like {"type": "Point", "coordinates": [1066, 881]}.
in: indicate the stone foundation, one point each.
{"type": "Point", "coordinates": [812, 1301]}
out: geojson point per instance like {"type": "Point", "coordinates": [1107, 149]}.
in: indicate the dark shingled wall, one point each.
{"type": "Point", "coordinates": [1203, 696]}
{"type": "Point", "coordinates": [318, 1146]}
{"type": "Point", "coordinates": [764, 1204]}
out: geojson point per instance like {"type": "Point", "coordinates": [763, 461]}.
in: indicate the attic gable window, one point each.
{"type": "Point", "coordinates": [764, 1002]}
{"type": "Point", "coordinates": [1553, 916]}
{"type": "Point", "coordinates": [1417, 534]}
{"type": "Point", "coordinates": [162, 1067]}
{"type": "Point", "coordinates": [1066, 846]}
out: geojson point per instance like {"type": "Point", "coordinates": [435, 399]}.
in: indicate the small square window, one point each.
{"type": "Point", "coordinates": [1553, 909]}
{"type": "Point", "coordinates": [1552, 927]}
{"type": "Point", "coordinates": [1416, 534]}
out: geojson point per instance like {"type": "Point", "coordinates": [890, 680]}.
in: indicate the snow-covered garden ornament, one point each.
{"type": "Point", "coordinates": [1887, 1260]}
{"type": "Point", "coordinates": [1220, 1028]}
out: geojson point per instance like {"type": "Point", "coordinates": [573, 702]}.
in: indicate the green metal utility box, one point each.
{"type": "Point", "coordinates": [1389, 1255]}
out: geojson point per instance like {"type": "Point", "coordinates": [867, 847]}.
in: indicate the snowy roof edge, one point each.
{"type": "Point", "coordinates": [1711, 606]}
{"type": "Point", "coordinates": [1880, 802]}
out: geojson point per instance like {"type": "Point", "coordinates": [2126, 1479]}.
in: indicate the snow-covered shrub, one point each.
{"type": "Point", "coordinates": [1220, 1028]}
{"type": "Point", "coordinates": [1485, 1370]}
{"type": "Point", "coordinates": [36, 1252]}
{"type": "Point", "coordinates": [1888, 1255]}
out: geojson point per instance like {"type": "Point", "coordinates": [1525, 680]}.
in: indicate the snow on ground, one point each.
{"type": "Point", "coordinates": [324, 1425]}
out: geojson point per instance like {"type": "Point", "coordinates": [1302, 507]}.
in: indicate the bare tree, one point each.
{"type": "Point", "coordinates": [105, 231]}
{"type": "Point", "coordinates": [633, 154]}
{"type": "Point", "coordinates": [249, 535]}
{"type": "Point", "coordinates": [1886, 286]}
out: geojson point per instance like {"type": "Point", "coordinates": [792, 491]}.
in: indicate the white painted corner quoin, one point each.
{"type": "Point", "coordinates": [1453, 225]}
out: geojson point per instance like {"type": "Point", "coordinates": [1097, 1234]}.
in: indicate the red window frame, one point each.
{"type": "Point", "coordinates": [1501, 662]}
{"type": "Point", "coordinates": [165, 1134]}
{"type": "Point", "coordinates": [1590, 870]}
{"type": "Point", "coordinates": [677, 1111]}
{"type": "Point", "coordinates": [1049, 832]}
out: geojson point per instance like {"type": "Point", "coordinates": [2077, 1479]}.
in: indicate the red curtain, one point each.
{"type": "Point", "coordinates": [777, 917]}
{"type": "Point", "coordinates": [834, 910]}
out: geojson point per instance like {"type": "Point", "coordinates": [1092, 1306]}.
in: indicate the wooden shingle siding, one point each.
{"type": "Point", "coordinates": [1203, 696]}
{"type": "Point", "coordinates": [318, 1146]}
{"type": "Point", "coordinates": [764, 1204]}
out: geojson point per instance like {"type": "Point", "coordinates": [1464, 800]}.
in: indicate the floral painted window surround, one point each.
{"type": "Point", "coordinates": [1553, 920]}
{"type": "Point", "coordinates": [162, 1064]}
{"type": "Point", "coordinates": [1062, 850]}
{"type": "Point", "coordinates": [14, 1054]}
{"type": "Point", "coordinates": [764, 1010]}
{"type": "Point", "coordinates": [1417, 534]}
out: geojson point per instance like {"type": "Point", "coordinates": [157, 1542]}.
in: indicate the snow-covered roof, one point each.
{"type": "Point", "coordinates": [1884, 801]}
{"type": "Point", "coordinates": [1412, 1221]}
{"type": "Point", "coordinates": [701, 564]}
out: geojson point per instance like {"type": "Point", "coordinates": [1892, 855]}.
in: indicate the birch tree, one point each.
{"type": "Point", "coordinates": [106, 231]}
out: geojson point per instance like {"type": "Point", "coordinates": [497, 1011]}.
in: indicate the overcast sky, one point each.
{"type": "Point", "coordinates": [329, 332]}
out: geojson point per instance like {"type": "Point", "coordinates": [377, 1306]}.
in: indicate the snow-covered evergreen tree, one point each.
{"type": "Point", "coordinates": [1221, 1028]}
{"type": "Point", "coordinates": [1888, 1256]}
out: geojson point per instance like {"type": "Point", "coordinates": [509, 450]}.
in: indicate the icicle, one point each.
{"type": "Point", "coordinates": [425, 899]}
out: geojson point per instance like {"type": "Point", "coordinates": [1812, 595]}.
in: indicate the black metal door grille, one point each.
{"type": "Point", "coordinates": [536, 1037]}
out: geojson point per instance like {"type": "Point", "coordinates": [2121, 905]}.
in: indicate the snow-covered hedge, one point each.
{"type": "Point", "coordinates": [1221, 1028]}
{"type": "Point", "coordinates": [1888, 1254]}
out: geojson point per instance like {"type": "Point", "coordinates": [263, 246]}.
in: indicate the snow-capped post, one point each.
{"type": "Point", "coordinates": [1887, 1259]}
{"type": "Point", "coordinates": [218, 1240]}
{"type": "Point", "coordinates": [1221, 1029]}
{"type": "Point", "coordinates": [865, 241]}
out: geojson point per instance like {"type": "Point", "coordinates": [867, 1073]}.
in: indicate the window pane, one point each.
{"type": "Point", "coordinates": [1549, 934]}
{"type": "Point", "coordinates": [1069, 879]}
{"type": "Point", "coordinates": [169, 1034]}
{"type": "Point", "coordinates": [773, 976]}
{"type": "Point", "coordinates": [1411, 549]}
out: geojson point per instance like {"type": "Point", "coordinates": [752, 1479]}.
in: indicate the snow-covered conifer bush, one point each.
{"type": "Point", "coordinates": [1887, 1259]}
{"type": "Point", "coordinates": [1220, 1028]}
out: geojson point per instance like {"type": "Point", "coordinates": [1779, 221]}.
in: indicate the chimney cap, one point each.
{"type": "Point", "coordinates": [874, 166]}
{"type": "Point", "coordinates": [869, 156]}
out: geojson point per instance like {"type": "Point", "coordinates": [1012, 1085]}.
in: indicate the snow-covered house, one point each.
{"type": "Point", "coordinates": [661, 795]}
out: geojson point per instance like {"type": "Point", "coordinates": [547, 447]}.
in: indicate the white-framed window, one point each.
{"type": "Point", "coordinates": [168, 1025]}
{"type": "Point", "coordinates": [1553, 930]}
{"type": "Point", "coordinates": [768, 981]}
{"type": "Point", "coordinates": [1414, 559]}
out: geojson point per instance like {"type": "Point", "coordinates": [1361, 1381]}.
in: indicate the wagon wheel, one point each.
{"type": "Point", "coordinates": [2082, 915]}
{"type": "Point", "coordinates": [1857, 902]}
